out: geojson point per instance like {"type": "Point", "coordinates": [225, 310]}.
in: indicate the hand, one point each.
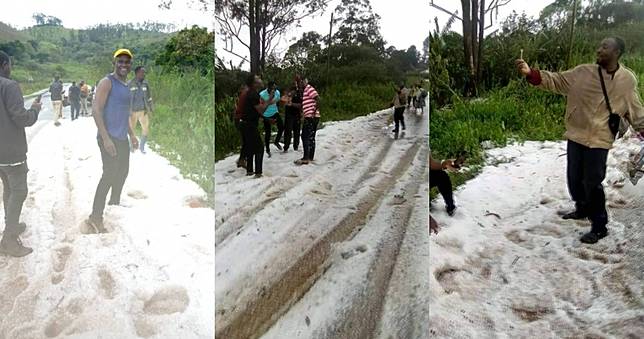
{"type": "Point", "coordinates": [36, 105]}
{"type": "Point", "coordinates": [449, 165]}
{"type": "Point", "coordinates": [109, 147]}
{"type": "Point", "coordinates": [433, 226]}
{"type": "Point", "coordinates": [522, 67]}
{"type": "Point", "coordinates": [135, 143]}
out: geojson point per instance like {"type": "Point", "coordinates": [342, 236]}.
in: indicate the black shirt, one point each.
{"type": "Point", "coordinates": [296, 99]}
{"type": "Point", "coordinates": [250, 113]}
{"type": "Point", "coordinates": [74, 93]}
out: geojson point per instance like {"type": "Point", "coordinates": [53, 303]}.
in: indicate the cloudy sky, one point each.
{"type": "Point", "coordinates": [86, 13]}
{"type": "Point", "coordinates": [402, 23]}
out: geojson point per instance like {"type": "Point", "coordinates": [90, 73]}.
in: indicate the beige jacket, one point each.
{"type": "Point", "coordinates": [586, 112]}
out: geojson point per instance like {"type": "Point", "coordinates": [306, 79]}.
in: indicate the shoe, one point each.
{"type": "Point", "coordinates": [268, 154]}
{"type": "Point", "coordinates": [277, 144]}
{"type": "Point", "coordinates": [295, 148]}
{"type": "Point", "coordinates": [404, 128]}
{"type": "Point", "coordinates": [96, 225]}
{"type": "Point", "coordinates": [576, 215]}
{"type": "Point", "coordinates": [451, 211]}
{"type": "Point", "coordinates": [592, 237]}
{"type": "Point", "coordinates": [21, 227]}
{"type": "Point", "coordinates": [13, 247]}
{"type": "Point", "coordinates": [302, 162]}
{"type": "Point", "coordinates": [258, 175]}
{"type": "Point", "coordinates": [241, 163]}
{"type": "Point", "coordinates": [285, 150]}
{"type": "Point", "coordinates": [249, 173]}
{"type": "Point", "coordinates": [56, 123]}
{"type": "Point", "coordinates": [142, 142]}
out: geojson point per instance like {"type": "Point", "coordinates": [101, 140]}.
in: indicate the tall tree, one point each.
{"type": "Point", "coordinates": [358, 24]}
{"type": "Point", "coordinates": [266, 21]}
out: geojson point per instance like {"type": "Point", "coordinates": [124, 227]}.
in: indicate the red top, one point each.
{"type": "Point", "coordinates": [534, 78]}
{"type": "Point", "coordinates": [239, 107]}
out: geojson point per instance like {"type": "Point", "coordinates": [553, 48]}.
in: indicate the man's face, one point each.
{"type": "Point", "coordinates": [122, 65]}
{"type": "Point", "coordinates": [258, 83]}
{"type": "Point", "coordinates": [140, 75]}
{"type": "Point", "coordinates": [607, 51]}
{"type": "Point", "coordinates": [5, 69]}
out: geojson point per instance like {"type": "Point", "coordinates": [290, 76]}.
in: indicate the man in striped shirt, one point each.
{"type": "Point", "coordinates": [311, 114]}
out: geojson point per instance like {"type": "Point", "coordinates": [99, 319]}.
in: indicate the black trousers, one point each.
{"type": "Point", "coordinates": [292, 130]}
{"type": "Point", "coordinates": [254, 147]}
{"type": "Point", "coordinates": [309, 128]}
{"type": "Point", "coordinates": [75, 108]}
{"type": "Point", "coordinates": [399, 117]}
{"type": "Point", "coordinates": [267, 130]}
{"type": "Point", "coordinates": [115, 171]}
{"type": "Point", "coordinates": [238, 126]}
{"type": "Point", "coordinates": [586, 171]}
{"type": "Point", "coordinates": [440, 179]}
{"type": "Point", "coordinates": [14, 185]}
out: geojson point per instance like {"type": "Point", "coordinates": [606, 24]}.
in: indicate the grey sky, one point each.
{"type": "Point", "coordinates": [86, 13]}
{"type": "Point", "coordinates": [402, 23]}
{"type": "Point", "coordinates": [530, 7]}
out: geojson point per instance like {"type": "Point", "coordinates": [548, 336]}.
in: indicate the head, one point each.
{"type": "Point", "coordinates": [610, 51]}
{"type": "Point", "coordinates": [255, 82]}
{"type": "Point", "coordinates": [139, 72]}
{"type": "Point", "coordinates": [122, 62]}
{"type": "Point", "coordinates": [56, 78]}
{"type": "Point", "coordinates": [5, 65]}
{"type": "Point", "coordinates": [271, 86]}
{"type": "Point", "coordinates": [82, 82]}
{"type": "Point", "coordinates": [73, 83]}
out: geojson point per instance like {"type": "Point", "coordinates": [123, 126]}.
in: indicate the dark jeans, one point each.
{"type": "Point", "coordinates": [440, 179]}
{"type": "Point", "coordinates": [238, 126]}
{"type": "Point", "coordinates": [399, 117]}
{"type": "Point", "coordinates": [254, 147]}
{"type": "Point", "coordinates": [586, 171]}
{"type": "Point", "coordinates": [14, 184]}
{"type": "Point", "coordinates": [309, 128]}
{"type": "Point", "coordinates": [292, 129]}
{"type": "Point", "coordinates": [267, 130]}
{"type": "Point", "coordinates": [75, 108]}
{"type": "Point", "coordinates": [115, 170]}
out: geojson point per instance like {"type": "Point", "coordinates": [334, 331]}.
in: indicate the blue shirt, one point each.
{"type": "Point", "coordinates": [271, 109]}
{"type": "Point", "coordinates": [116, 113]}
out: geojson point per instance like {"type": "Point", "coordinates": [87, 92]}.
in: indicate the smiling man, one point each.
{"type": "Point", "coordinates": [598, 96]}
{"type": "Point", "coordinates": [111, 111]}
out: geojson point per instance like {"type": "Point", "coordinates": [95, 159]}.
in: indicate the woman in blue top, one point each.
{"type": "Point", "coordinates": [271, 116]}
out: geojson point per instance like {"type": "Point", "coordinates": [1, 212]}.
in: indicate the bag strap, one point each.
{"type": "Point", "coordinates": [601, 79]}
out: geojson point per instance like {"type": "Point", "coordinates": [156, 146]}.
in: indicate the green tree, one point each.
{"type": "Point", "coordinates": [189, 49]}
{"type": "Point", "coordinates": [358, 24]}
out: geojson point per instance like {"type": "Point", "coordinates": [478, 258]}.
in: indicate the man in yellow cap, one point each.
{"type": "Point", "coordinates": [111, 111]}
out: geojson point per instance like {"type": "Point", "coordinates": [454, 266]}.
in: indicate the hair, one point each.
{"type": "Point", "coordinates": [271, 84]}
{"type": "Point", "coordinates": [250, 80]}
{"type": "Point", "coordinates": [73, 83]}
{"type": "Point", "coordinates": [56, 77]}
{"type": "Point", "coordinates": [4, 58]}
{"type": "Point", "coordinates": [138, 68]}
{"type": "Point", "coordinates": [621, 45]}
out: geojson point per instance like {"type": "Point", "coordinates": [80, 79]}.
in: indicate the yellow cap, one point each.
{"type": "Point", "coordinates": [122, 51]}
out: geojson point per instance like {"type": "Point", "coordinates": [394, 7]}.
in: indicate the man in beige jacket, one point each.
{"type": "Point", "coordinates": [587, 124]}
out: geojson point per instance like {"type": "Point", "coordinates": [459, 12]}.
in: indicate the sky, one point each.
{"type": "Point", "coordinates": [402, 23]}
{"type": "Point", "coordinates": [530, 7]}
{"type": "Point", "coordinates": [85, 13]}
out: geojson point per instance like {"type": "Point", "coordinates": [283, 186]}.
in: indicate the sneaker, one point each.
{"type": "Point", "coordinates": [249, 173]}
{"type": "Point", "coordinates": [593, 237]}
{"type": "Point", "coordinates": [96, 225]}
{"type": "Point", "coordinates": [258, 175]}
{"type": "Point", "coordinates": [13, 247]}
{"type": "Point", "coordinates": [576, 215]}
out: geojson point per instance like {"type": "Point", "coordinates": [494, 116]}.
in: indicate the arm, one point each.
{"type": "Point", "coordinates": [102, 92]}
{"type": "Point", "coordinates": [440, 166]}
{"type": "Point", "coordinates": [635, 111]}
{"type": "Point", "coordinates": [557, 82]}
{"type": "Point", "coordinates": [16, 107]}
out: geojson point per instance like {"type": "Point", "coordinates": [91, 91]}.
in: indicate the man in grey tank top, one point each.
{"type": "Point", "coordinates": [111, 111]}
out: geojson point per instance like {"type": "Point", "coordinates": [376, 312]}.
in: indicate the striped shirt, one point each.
{"type": "Point", "coordinates": [308, 102]}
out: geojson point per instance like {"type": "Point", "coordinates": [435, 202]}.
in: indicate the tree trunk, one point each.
{"type": "Point", "coordinates": [254, 23]}
{"type": "Point", "coordinates": [479, 59]}
{"type": "Point", "coordinates": [467, 44]}
{"type": "Point", "coordinates": [475, 47]}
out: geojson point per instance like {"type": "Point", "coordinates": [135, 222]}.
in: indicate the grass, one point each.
{"type": "Point", "coordinates": [183, 124]}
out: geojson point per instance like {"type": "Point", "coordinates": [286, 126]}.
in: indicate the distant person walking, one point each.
{"type": "Point", "coordinates": [598, 96]}
{"type": "Point", "coordinates": [84, 94]}
{"type": "Point", "coordinates": [142, 108]}
{"type": "Point", "coordinates": [399, 102]}
{"type": "Point", "coordinates": [254, 107]}
{"type": "Point", "coordinates": [111, 114]}
{"type": "Point", "coordinates": [272, 116]}
{"type": "Point", "coordinates": [13, 157]}
{"type": "Point", "coordinates": [56, 96]}
{"type": "Point", "coordinates": [293, 112]}
{"type": "Point", "coordinates": [74, 100]}
{"type": "Point", "coordinates": [311, 115]}
{"type": "Point", "coordinates": [237, 119]}
{"type": "Point", "coordinates": [421, 96]}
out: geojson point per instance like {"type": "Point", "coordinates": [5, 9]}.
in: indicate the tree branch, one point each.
{"type": "Point", "coordinates": [235, 54]}
{"type": "Point", "coordinates": [234, 31]}
{"type": "Point", "coordinates": [444, 10]}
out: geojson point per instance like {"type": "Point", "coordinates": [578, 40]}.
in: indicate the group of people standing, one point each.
{"type": "Point", "coordinates": [118, 105]}
{"type": "Point", "coordinates": [406, 98]}
{"type": "Point", "coordinates": [302, 115]}
{"type": "Point", "coordinates": [78, 96]}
